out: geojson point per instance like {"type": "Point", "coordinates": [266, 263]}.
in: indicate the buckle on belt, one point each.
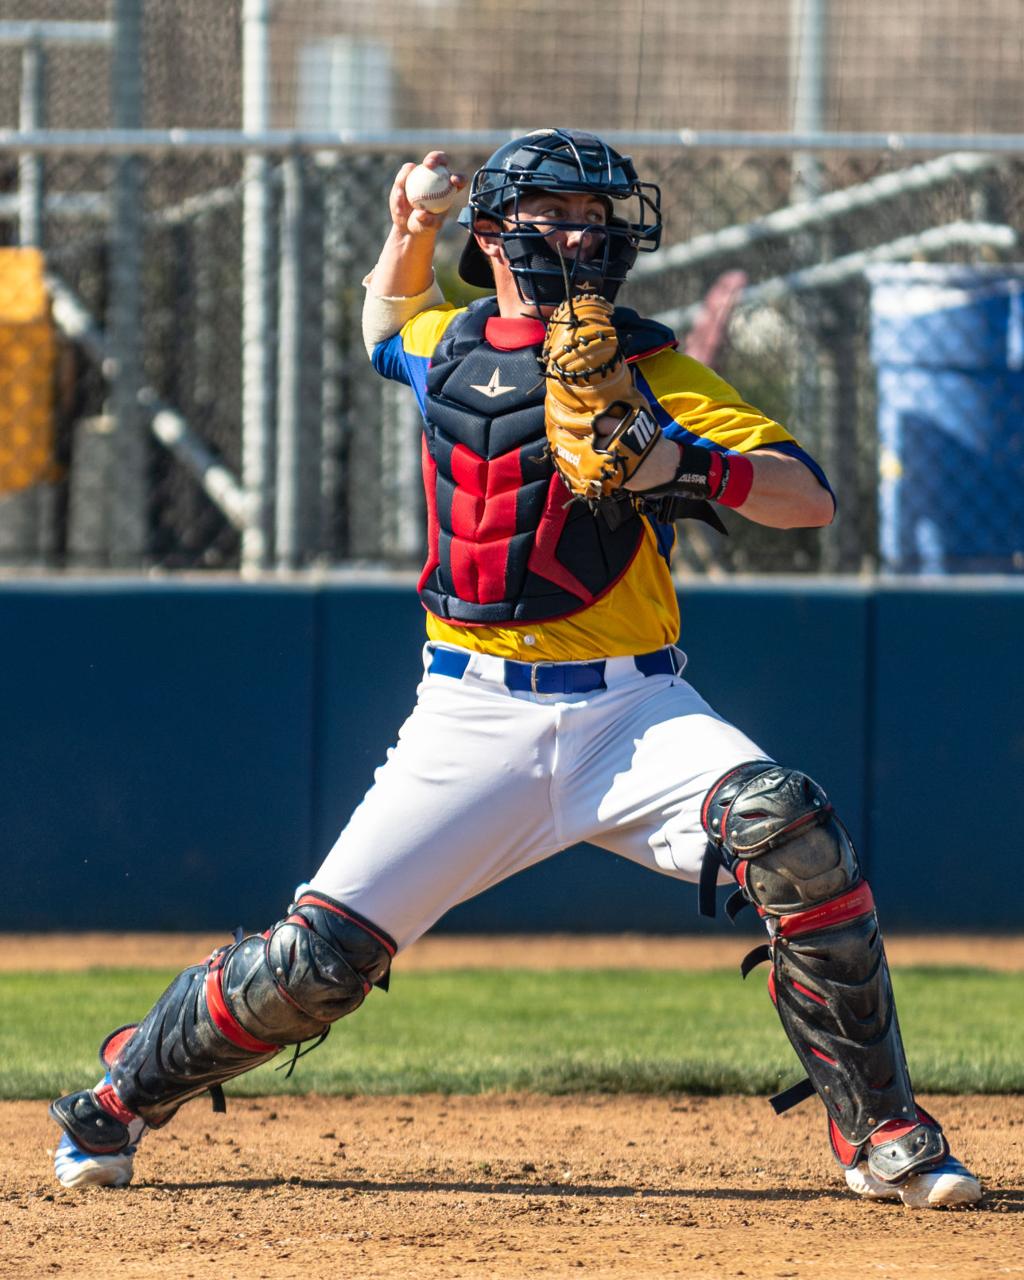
{"type": "Point", "coordinates": [533, 678]}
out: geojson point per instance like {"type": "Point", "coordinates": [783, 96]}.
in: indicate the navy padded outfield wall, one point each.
{"type": "Point", "coordinates": [179, 756]}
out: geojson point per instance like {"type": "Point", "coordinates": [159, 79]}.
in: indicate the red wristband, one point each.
{"type": "Point", "coordinates": [739, 479]}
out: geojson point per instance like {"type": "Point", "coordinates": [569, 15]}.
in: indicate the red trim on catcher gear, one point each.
{"type": "Point", "coordinates": [472, 472]}
{"type": "Point", "coordinates": [106, 1096]}
{"type": "Point", "coordinates": [549, 529]}
{"type": "Point", "coordinates": [771, 987]}
{"type": "Point", "coordinates": [892, 1129]}
{"type": "Point", "coordinates": [926, 1117]}
{"type": "Point", "coordinates": [823, 1056]}
{"type": "Point", "coordinates": [806, 991]}
{"type": "Point", "coordinates": [643, 355]}
{"type": "Point", "coordinates": [225, 1021]}
{"type": "Point", "coordinates": [433, 527]}
{"type": "Point", "coordinates": [115, 1042]}
{"type": "Point", "coordinates": [847, 1153]}
{"type": "Point", "coordinates": [711, 795]}
{"type": "Point", "coordinates": [386, 943]}
{"type": "Point", "coordinates": [483, 522]}
{"type": "Point", "coordinates": [509, 333]}
{"type": "Point", "coordinates": [741, 481]}
{"type": "Point", "coordinates": [849, 906]}
{"type": "Point", "coordinates": [740, 873]}
{"type": "Point", "coordinates": [897, 1128]}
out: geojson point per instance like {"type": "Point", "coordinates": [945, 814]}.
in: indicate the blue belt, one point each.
{"type": "Point", "coordinates": [551, 677]}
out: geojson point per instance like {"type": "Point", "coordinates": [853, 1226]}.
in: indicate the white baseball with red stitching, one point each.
{"type": "Point", "coordinates": [430, 189]}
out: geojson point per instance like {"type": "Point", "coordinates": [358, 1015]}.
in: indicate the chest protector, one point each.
{"type": "Point", "coordinates": [505, 543]}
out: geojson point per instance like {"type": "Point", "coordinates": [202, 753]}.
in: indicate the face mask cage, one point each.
{"type": "Point", "coordinates": [540, 276]}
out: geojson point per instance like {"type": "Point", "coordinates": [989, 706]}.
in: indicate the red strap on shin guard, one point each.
{"type": "Point", "coordinates": [226, 1022]}
{"type": "Point", "coordinates": [107, 1097]}
{"type": "Point", "coordinates": [848, 906]}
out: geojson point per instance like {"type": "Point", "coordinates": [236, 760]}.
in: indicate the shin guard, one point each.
{"type": "Point", "coordinates": [237, 1010]}
{"type": "Point", "coordinates": [775, 829]}
{"type": "Point", "coordinates": [831, 986]}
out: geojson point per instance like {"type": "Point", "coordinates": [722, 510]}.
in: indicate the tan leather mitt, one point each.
{"type": "Point", "coordinates": [588, 380]}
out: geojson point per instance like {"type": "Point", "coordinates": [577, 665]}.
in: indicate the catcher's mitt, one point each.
{"type": "Point", "coordinates": [588, 380]}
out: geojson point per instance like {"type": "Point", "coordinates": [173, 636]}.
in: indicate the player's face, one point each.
{"type": "Point", "coordinates": [546, 209]}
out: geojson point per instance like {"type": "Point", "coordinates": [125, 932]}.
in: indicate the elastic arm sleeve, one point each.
{"type": "Point", "coordinates": [383, 317]}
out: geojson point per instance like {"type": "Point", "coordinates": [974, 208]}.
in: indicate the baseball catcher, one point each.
{"type": "Point", "coordinates": [564, 436]}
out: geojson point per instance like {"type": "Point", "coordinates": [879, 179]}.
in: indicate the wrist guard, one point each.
{"type": "Point", "coordinates": [708, 475]}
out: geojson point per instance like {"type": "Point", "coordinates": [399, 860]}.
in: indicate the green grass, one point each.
{"type": "Point", "coordinates": [558, 1032]}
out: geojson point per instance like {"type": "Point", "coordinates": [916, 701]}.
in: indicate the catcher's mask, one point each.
{"type": "Point", "coordinates": [567, 161]}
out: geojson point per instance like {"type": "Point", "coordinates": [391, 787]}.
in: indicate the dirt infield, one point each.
{"type": "Point", "coordinates": [500, 1186]}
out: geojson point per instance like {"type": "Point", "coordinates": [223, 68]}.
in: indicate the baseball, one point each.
{"type": "Point", "coordinates": [430, 189]}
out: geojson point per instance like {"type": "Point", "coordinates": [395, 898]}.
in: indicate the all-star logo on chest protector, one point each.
{"type": "Point", "coordinates": [505, 543]}
{"type": "Point", "coordinates": [494, 387]}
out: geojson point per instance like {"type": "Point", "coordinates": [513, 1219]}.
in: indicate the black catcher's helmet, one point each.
{"type": "Point", "coordinates": [561, 160]}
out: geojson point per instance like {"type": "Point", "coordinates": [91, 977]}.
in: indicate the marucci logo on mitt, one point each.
{"type": "Point", "coordinates": [562, 452]}
{"type": "Point", "coordinates": [643, 431]}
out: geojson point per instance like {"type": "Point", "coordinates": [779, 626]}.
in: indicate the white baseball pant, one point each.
{"type": "Point", "coordinates": [485, 782]}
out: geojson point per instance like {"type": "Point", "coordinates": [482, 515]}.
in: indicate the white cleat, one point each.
{"type": "Point", "coordinates": [947, 1185]}
{"type": "Point", "coordinates": [77, 1168]}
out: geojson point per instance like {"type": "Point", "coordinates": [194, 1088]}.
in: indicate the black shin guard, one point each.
{"type": "Point", "coordinates": [178, 1050]}
{"type": "Point", "coordinates": [831, 986]}
{"type": "Point", "coordinates": [775, 830]}
{"type": "Point", "coordinates": [249, 1000]}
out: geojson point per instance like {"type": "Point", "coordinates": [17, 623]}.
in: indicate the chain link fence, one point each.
{"type": "Point", "coordinates": [628, 65]}
{"type": "Point", "coordinates": [183, 384]}
{"type": "Point", "coordinates": [773, 294]}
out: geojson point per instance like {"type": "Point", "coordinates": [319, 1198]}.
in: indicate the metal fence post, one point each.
{"type": "Point", "coordinates": [333, 248]}
{"type": "Point", "coordinates": [257, 371]}
{"type": "Point", "coordinates": [288, 547]}
{"type": "Point", "coordinates": [809, 90]}
{"type": "Point", "coordinates": [129, 516]}
{"type": "Point", "coordinates": [32, 115]}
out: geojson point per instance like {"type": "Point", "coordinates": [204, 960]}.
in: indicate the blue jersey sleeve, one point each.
{"type": "Point", "coordinates": [405, 357]}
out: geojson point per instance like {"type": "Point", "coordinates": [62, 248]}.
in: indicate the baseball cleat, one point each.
{"type": "Point", "coordinates": [946, 1185]}
{"type": "Point", "coordinates": [77, 1168]}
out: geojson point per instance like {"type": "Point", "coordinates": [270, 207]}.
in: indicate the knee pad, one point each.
{"type": "Point", "coordinates": [309, 970]}
{"type": "Point", "coordinates": [776, 832]}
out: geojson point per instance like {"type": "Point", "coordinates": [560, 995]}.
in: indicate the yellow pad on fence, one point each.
{"type": "Point", "coordinates": [28, 355]}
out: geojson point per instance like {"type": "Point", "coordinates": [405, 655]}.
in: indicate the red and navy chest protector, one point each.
{"type": "Point", "coordinates": [505, 543]}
